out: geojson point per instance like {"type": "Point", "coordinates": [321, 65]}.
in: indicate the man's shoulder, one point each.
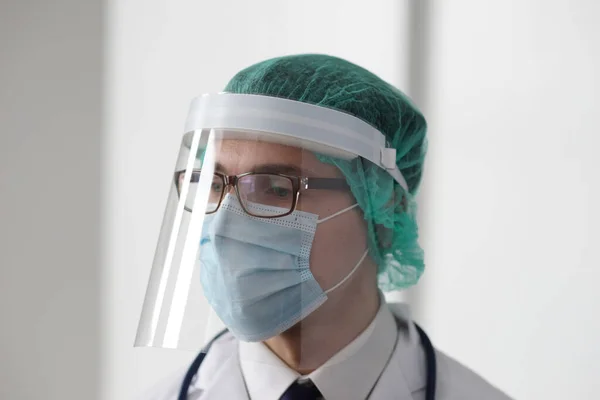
{"type": "Point", "coordinates": [456, 381]}
{"type": "Point", "coordinates": [168, 389]}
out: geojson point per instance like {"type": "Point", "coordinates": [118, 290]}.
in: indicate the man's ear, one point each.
{"type": "Point", "coordinates": [404, 203]}
{"type": "Point", "coordinates": [384, 235]}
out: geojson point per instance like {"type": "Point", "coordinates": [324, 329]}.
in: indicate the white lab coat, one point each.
{"type": "Point", "coordinates": [220, 376]}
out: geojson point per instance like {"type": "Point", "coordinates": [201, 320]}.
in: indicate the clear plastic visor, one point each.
{"type": "Point", "coordinates": [258, 235]}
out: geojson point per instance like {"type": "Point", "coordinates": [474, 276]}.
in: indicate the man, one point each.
{"type": "Point", "coordinates": [299, 185]}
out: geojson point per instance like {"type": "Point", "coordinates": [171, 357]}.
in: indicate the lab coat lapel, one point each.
{"type": "Point", "coordinates": [227, 383]}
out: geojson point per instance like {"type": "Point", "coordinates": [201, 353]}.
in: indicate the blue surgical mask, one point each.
{"type": "Point", "coordinates": [255, 272]}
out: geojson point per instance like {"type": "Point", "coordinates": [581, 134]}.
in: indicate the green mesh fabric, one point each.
{"type": "Point", "coordinates": [389, 210]}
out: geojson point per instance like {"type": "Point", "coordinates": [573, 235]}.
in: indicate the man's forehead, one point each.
{"type": "Point", "coordinates": [244, 146]}
{"type": "Point", "coordinates": [262, 155]}
{"type": "Point", "coordinates": [249, 151]}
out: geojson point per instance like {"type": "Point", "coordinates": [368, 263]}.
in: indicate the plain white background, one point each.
{"type": "Point", "coordinates": [512, 196]}
{"type": "Point", "coordinates": [93, 99]}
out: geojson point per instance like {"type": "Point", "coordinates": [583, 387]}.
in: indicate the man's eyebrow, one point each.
{"type": "Point", "coordinates": [219, 168]}
{"type": "Point", "coordinates": [286, 169]}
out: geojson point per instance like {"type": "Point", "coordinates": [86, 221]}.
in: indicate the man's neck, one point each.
{"type": "Point", "coordinates": [309, 344]}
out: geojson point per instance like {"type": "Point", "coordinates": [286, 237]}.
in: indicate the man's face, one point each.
{"type": "Point", "coordinates": [339, 242]}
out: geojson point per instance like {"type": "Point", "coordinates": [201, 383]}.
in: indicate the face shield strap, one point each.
{"type": "Point", "coordinates": [319, 129]}
{"type": "Point", "coordinates": [388, 161]}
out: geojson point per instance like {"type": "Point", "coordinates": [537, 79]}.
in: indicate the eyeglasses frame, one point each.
{"type": "Point", "coordinates": [299, 184]}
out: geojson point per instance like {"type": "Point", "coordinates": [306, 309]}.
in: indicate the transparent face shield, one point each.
{"type": "Point", "coordinates": [261, 235]}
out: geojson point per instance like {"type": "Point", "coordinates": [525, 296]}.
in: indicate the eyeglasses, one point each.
{"type": "Point", "coordinates": [278, 192]}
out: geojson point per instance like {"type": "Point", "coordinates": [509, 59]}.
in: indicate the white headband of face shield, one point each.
{"type": "Point", "coordinates": [294, 123]}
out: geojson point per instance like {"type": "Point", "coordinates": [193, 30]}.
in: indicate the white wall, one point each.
{"type": "Point", "coordinates": [160, 55]}
{"type": "Point", "coordinates": [50, 141]}
{"type": "Point", "coordinates": [511, 192]}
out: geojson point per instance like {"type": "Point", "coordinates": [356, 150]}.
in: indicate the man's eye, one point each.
{"type": "Point", "coordinates": [278, 191]}
{"type": "Point", "coordinates": [217, 187]}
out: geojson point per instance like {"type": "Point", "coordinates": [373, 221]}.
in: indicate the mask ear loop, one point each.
{"type": "Point", "coordinates": [337, 213]}
{"type": "Point", "coordinates": [340, 283]}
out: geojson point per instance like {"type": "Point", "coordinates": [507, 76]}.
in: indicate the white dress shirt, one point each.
{"type": "Point", "coordinates": [349, 374]}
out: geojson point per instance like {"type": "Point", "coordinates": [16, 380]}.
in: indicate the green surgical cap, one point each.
{"type": "Point", "coordinates": [390, 211]}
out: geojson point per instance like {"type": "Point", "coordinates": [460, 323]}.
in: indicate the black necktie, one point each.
{"type": "Point", "coordinates": [302, 391]}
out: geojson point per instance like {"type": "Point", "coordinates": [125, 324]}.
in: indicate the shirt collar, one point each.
{"type": "Point", "coordinates": [350, 373]}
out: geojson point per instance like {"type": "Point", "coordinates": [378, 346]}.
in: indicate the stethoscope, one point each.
{"type": "Point", "coordinates": [425, 342]}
